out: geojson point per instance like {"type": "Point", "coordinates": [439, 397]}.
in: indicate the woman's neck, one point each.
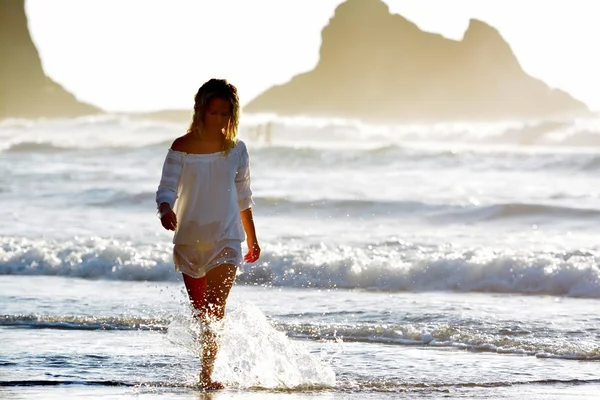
{"type": "Point", "coordinates": [212, 136]}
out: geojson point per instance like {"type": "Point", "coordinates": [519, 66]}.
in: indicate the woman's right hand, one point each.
{"type": "Point", "coordinates": [168, 218]}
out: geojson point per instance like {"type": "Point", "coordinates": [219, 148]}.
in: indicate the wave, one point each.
{"type": "Point", "coordinates": [324, 208]}
{"type": "Point", "coordinates": [582, 131]}
{"type": "Point", "coordinates": [452, 336]}
{"type": "Point", "coordinates": [528, 134]}
{"type": "Point", "coordinates": [351, 208]}
{"type": "Point", "coordinates": [49, 147]}
{"type": "Point", "coordinates": [434, 212]}
{"type": "Point", "coordinates": [366, 156]}
{"type": "Point", "coordinates": [415, 268]}
{"type": "Point", "coordinates": [397, 154]}
{"type": "Point", "coordinates": [386, 266]}
{"type": "Point", "coordinates": [344, 385]}
{"type": "Point", "coordinates": [272, 205]}
{"type": "Point", "coordinates": [47, 382]}
{"type": "Point", "coordinates": [37, 147]}
{"type": "Point", "coordinates": [457, 335]}
{"type": "Point", "coordinates": [117, 198]}
{"type": "Point", "coordinates": [104, 122]}
{"type": "Point", "coordinates": [361, 208]}
{"type": "Point", "coordinates": [89, 258]}
{"type": "Point", "coordinates": [67, 322]}
{"type": "Point", "coordinates": [467, 146]}
{"type": "Point", "coordinates": [575, 133]}
{"type": "Point", "coordinates": [506, 211]}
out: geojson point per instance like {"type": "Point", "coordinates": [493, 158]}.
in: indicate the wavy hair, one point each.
{"type": "Point", "coordinates": [217, 88]}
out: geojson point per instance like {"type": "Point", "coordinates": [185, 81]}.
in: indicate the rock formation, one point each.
{"type": "Point", "coordinates": [378, 66]}
{"type": "Point", "coordinates": [25, 91]}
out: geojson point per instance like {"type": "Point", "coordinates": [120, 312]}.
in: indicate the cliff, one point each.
{"type": "Point", "coordinates": [378, 66]}
{"type": "Point", "coordinates": [25, 90]}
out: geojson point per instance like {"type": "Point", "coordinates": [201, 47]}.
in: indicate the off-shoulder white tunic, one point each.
{"type": "Point", "coordinates": [207, 193]}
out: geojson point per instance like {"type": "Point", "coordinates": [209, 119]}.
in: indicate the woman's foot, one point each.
{"type": "Point", "coordinates": [214, 385]}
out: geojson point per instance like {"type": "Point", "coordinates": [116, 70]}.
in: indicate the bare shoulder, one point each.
{"type": "Point", "coordinates": [182, 144]}
{"type": "Point", "coordinates": [241, 145]}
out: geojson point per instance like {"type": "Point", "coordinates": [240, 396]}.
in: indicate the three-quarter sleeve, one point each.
{"type": "Point", "coordinates": [242, 179]}
{"type": "Point", "coordinates": [169, 181]}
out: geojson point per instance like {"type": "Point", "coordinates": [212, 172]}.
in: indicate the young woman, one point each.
{"type": "Point", "coordinates": [204, 196]}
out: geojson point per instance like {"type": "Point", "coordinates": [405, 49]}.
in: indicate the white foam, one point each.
{"type": "Point", "coordinates": [385, 267]}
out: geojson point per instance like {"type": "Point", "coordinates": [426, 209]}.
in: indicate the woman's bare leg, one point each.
{"type": "Point", "coordinates": [209, 297]}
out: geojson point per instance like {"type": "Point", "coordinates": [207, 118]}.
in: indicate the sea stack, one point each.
{"type": "Point", "coordinates": [25, 90]}
{"type": "Point", "coordinates": [380, 67]}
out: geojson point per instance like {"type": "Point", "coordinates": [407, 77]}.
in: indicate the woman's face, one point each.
{"type": "Point", "coordinates": [217, 114]}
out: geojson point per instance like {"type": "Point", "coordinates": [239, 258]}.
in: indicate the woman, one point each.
{"type": "Point", "coordinates": [204, 196]}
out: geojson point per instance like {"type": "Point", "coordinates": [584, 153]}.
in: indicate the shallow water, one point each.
{"type": "Point", "coordinates": [456, 261]}
{"type": "Point", "coordinates": [137, 338]}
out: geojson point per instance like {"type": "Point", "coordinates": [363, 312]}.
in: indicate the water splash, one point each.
{"type": "Point", "coordinates": [253, 354]}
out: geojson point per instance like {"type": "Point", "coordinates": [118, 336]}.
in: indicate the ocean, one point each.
{"type": "Point", "coordinates": [457, 260]}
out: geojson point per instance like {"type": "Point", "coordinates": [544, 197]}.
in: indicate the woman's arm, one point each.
{"type": "Point", "coordinates": [251, 239]}
{"type": "Point", "coordinates": [245, 202]}
{"type": "Point", "coordinates": [166, 194]}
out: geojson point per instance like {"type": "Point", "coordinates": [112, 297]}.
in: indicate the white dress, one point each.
{"type": "Point", "coordinates": [207, 193]}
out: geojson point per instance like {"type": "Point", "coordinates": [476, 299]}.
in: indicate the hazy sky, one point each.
{"type": "Point", "coordinates": [151, 54]}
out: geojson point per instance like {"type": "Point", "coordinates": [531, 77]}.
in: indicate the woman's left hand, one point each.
{"type": "Point", "coordinates": [253, 252]}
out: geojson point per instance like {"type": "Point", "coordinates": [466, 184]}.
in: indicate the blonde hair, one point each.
{"type": "Point", "coordinates": [217, 88]}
